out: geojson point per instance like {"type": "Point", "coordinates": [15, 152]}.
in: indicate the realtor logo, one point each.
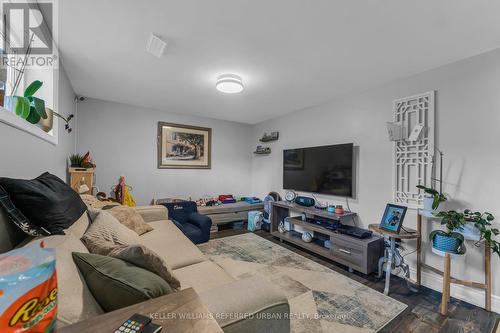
{"type": "Point", "coordinates": [28, 27]}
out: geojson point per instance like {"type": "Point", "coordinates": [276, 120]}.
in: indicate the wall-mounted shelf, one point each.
{"type": "Point", "coordinates": [262, 152]}
{"type": "Point", "coordinates": [274, 136]}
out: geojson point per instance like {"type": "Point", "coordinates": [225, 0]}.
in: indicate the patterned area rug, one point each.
{"type": "Point", "coordinates": [321, 300]}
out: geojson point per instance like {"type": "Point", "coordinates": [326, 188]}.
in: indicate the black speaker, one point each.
{"type": "Point", "coordinates": [304, 201]}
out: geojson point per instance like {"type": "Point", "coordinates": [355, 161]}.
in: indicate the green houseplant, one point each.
{"type": "Point", "coordinates": [76, 160]}
{"type": "Point", "coordinates": [29, 107]}
{"type": "Point", "coordinates": [435, 196]}
{"type": "Point", "coordinates": [449, 240]}
{"type": "Point", "coordinates": [33, 109]}
{"type": "Point", "coordinates": [455, 221]}
{"type": "Point", "coordinates": [482, 221]}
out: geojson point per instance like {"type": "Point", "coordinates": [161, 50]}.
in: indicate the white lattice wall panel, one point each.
{"type": "Point", "coordinates": [413, 159]}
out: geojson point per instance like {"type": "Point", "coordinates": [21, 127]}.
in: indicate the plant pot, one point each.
{"type": "Point", "coordinates": [446, 243]}
{"type": "Point", "coordinates": [47, 124]}
{"type": "Point", "coordinates": [470, 232]}
{"type": "Point", "coordinates": [428, 200]}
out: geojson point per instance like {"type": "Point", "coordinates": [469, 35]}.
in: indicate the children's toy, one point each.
{"type": "Point", "coordinates": [122, 193]}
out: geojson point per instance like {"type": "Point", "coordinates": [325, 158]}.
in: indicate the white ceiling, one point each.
{"type": "Point", "coordinates": [292, 54]}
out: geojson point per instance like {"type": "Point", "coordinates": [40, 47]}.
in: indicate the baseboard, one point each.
{"type": "Point", "coordinates": [467, 294]}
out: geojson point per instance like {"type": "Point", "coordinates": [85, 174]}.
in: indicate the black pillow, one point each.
{"type": "Point", "coordinates": [46, 201]}
{"type": "Point", "coordinates": [16, 216]}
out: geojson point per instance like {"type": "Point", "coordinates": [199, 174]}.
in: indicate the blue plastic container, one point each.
{"type": "Point", "coordinates": [446, 243]}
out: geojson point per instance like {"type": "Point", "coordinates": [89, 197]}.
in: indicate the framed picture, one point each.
{"type": "Point", "coordinates": [183, 146]}
{"type": "Point", "coordinates": [393, 218]}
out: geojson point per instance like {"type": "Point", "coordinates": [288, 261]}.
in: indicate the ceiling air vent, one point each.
{"type": "Point", "coordinates": [155, 46]}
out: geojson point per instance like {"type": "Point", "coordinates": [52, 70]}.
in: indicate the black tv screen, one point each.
{"type": "Point", "coordinates": [325, 169]}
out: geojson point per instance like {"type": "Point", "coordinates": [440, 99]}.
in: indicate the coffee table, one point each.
{"type": "Point", "coordinates": [182, 311]}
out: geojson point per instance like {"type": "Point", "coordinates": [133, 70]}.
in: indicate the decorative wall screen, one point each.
{"type": "Point", "coordinates": [413, 160]}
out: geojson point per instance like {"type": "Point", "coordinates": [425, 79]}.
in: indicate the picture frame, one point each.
{"type": "Point", "coordinates": [393, 218]}
{"type": "Point", "coordinates": [183, 146]}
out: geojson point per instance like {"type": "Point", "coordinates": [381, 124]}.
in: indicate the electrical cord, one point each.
{"type": "Point", "coordinates": [409, 253]}
{"type": "Point", "coordinates": [347, 204]}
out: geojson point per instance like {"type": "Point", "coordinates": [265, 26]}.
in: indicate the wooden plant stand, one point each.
{"type": "Point", "coordinates": [448, 279]}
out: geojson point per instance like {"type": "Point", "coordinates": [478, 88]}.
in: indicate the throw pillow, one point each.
{"type": "Point", "coordinates": [92, 202]}
{"type": "Point", "coordinates": [143, 257]}
{"type": "Point", "coordinates": [46, 201]}
{"type": "Point", "coordinates": [129, 217]}
{"type": "Point", "coordinates": [18, 218]}
{"type": "Point", "coordinates": [105, 227]}
{"type": "Point", "coordinates": [138, 255]}
{"type": "Point", "coordinates": [116, 283]}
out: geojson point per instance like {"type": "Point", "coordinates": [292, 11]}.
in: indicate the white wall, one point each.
{"type": "Point", "coordinates": [23, 155]}
{"type": "Point", "coordinates": [468, 122]}
{"type": "Point", "coordinates": [122, 141]}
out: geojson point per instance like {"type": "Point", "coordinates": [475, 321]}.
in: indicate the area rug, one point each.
{"type": "Point", "coordinates": [321, 300]}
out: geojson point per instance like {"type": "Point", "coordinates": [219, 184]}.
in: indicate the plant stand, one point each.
{"type": "Point", "coordinates": [448, 279]}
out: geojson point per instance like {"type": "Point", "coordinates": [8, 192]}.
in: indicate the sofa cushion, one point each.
{"type": "Point", "coordinates": [129, 217]}
{"type": "Point", "coordinates": [171, 244]}
{"type": "Point", "coordinates": [78, 228]}
{"type": "Point", "coordinates": [202, 276]}
{"type": "Point", "coordinates": [138, 255]}
{"type": "Point", "coordinates": [116, 283]}
{"type": "Point", "coordinates": [105, 227]}
{"type": "Point", "coordinates": [252, 295]}
{"type": "Point", "coordinates": [152, 213]}
{"type": "Point", "coordinates": [75, 301]}
{"type": "Point", "coordinates": [46, 201]}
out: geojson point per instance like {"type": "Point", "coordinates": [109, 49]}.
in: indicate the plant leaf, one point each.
{"type": "Point", "coordinates": [39, 105]}
{"type": "Point", "coordinates": [22, 107]}
{"type": "Point", "coordinates": [33, 117]}
{"type": "Point", "coordinates": [435, 202]}
{"type": "Point", "coordinates": [32, 88]}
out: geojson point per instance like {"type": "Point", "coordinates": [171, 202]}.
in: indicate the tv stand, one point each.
{"type": "Point", "coordinates": [357, 254]}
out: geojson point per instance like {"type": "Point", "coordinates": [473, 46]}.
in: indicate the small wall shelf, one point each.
{"type": "Point", "coordinates": [274, 136]}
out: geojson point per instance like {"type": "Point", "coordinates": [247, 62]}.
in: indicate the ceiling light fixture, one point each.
{"type": "Point", "coordinates": [229, 84]}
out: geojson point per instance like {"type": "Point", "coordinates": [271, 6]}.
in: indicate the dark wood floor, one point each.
{"type": "Point", "coordinates": [422, 314]}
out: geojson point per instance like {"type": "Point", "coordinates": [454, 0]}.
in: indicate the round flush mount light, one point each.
{"type": "Point", "coordinates": [229, 84]}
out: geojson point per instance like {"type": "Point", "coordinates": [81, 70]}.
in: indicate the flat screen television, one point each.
{"type": "Point", "coordinates": [324, 169]}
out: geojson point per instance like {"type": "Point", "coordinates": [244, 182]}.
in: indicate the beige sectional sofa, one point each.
{"type": "Point", "coordinates": [252, 300]}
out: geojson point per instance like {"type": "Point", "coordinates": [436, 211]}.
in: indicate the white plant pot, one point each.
{"type": "Point", "coordinates": [470, 232]}
{"type": "Point", "coordinates": [428, 200]}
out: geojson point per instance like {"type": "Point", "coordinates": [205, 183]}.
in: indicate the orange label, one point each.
{"type": "Point", "coordinates": [34, 311]}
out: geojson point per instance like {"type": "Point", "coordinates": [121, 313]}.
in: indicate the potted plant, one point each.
{"type": "Point", "coordinates": [81, 161]}
{"type": "Point", "coordinates": [432, 198]}
{"type": "Point", "coordinates": [33, 110]}
{"type": "Point", "coordinates": [455, 221]}
{"type": "Point", "coordinates": [482, 221]}
{"type": "Point", "coordinates": [76, 160]}
{"type": "Point", "coordinates": [450, 240]}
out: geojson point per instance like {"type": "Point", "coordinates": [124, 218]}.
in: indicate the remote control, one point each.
{"type": "Point", "coordinates": [151, 328]}
{"type": "Point", "coordinates": [134, 324]}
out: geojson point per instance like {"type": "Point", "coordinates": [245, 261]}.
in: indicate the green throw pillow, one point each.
{"type": "Point", "coordinates": [116, 283]}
